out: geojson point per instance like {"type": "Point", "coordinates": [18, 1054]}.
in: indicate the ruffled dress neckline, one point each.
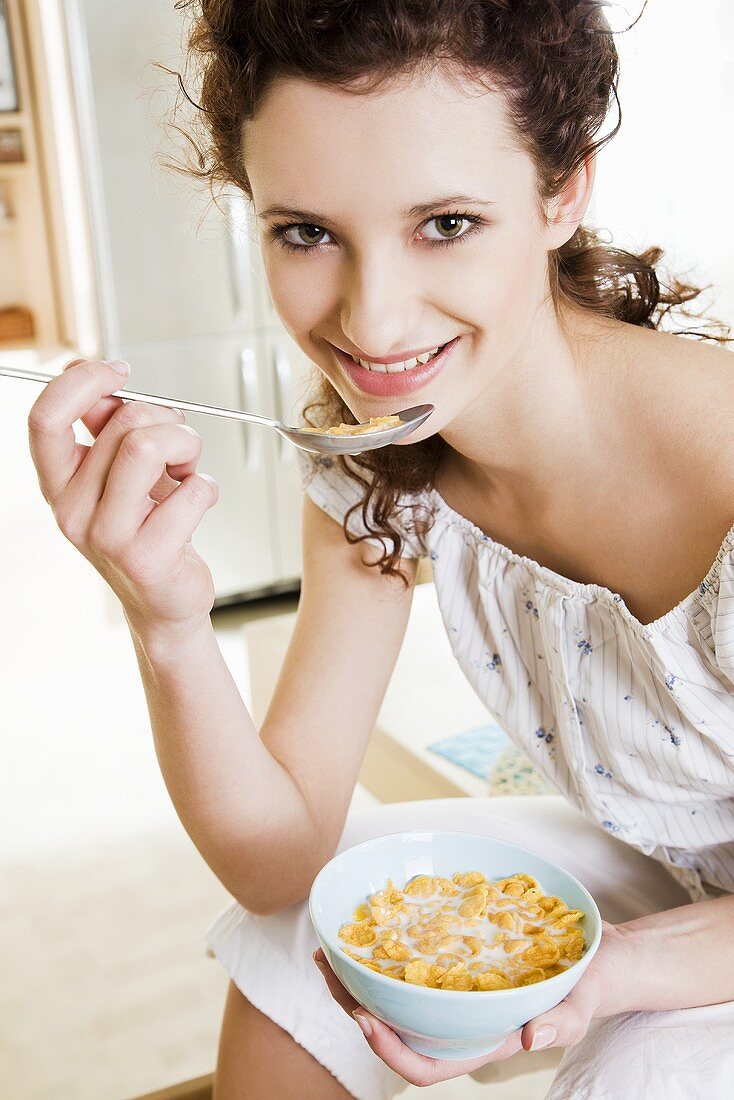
{"type": "Point", "coordinates": [598, 593]}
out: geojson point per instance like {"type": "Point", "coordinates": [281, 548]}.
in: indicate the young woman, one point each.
{"type": "Point", "coordinates": [420, 173]}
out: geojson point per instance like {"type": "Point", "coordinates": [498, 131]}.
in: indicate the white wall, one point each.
{"type": "Point", "coordinates": [666, 178]}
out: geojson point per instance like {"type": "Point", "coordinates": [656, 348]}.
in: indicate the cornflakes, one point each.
{"type": "Point", "coordinates": [375, 424]}
{"type": "Point", "coordinates": [465, 933]}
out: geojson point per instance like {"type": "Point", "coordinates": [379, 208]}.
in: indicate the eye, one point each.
{"type": "Point", "coordinates": [305, 236]}
{"type": "Point", "coordinates": [448, 227]}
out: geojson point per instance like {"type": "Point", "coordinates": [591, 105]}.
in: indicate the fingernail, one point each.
{"type": "Point", "coordinates": [543, 1037]}
{"type": "Point", "coordinates": [315, 959]}
{"type": "Point", "coordinates": [363, 1022]}
{"type": "Point", "coordinates": [119, 365]}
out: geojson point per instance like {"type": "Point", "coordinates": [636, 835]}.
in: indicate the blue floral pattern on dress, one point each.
{"type": "Point", "coordinates": [572, 654]}
{"type": "Point", "coordinates": [674, 739]}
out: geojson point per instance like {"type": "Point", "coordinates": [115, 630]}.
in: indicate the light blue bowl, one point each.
{"type": "Point", "coordinates": [441, 1023]}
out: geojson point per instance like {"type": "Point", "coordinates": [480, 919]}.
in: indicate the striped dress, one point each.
{"type": "Point", "coordinates": [632, 722]}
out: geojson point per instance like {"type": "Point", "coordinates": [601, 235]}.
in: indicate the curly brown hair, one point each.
{"type": "Point", "coordinates": [557, 65]}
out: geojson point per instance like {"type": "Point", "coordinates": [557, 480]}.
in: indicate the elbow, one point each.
{"type": "Point", "coordinates": [269, 902]}
{"type": "Point", "coordinates": [267, 890]}
{"type": "Point", "coordinates": [273, 874]}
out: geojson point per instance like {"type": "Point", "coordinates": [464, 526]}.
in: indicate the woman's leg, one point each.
{"type": "Point", "coordinates": [258, 1060]}
{"type": "Point", "coordinates": [686, 1054]}
{"type": "Point", "coordinates": [283, 994]}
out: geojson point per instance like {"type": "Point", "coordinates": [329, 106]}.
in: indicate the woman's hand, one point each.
{"type": "Point", "coordinates": [131, 501]}
{"type": "Point", "coordinates": [562, 1026]}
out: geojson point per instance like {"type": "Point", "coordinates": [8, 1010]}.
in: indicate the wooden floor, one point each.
{"type": "Point", "coordinates": [200, 1089]}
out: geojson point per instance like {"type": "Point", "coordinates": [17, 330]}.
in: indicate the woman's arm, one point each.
{"type": "Point", "coordinates": [232, 797]}
{"type": "Point", "coordinates": [680, 958]}
{"type": "Point", "coordinates": [265, 810]}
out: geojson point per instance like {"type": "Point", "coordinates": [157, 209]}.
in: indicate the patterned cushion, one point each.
{"type": "Point", "coordinates": [487, 752]}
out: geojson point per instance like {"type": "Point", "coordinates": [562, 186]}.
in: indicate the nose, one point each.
{"type": "Point", "coordinates": [378, 306]}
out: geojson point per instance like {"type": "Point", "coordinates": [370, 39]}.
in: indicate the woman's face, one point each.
{"type": "Point", "coordinates": [395, 223]}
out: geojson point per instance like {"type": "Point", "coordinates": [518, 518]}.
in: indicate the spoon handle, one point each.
{"type": "Point", "coordinates": [152, 399]}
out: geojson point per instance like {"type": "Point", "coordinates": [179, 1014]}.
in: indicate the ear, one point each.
{"type": "Point", "coordinates": [566, 210]}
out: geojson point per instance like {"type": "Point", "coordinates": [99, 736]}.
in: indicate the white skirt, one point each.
{"type": "Point", "coordinates": [269, 960]}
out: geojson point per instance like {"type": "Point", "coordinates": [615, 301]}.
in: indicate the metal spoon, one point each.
{"type": "Point", "coordinates": [308, 441]}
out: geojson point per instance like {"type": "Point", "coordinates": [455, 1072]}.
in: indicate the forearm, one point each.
{"type": "Point", "coordinates": [680, 958]}
{"type": "Point", "coordinates": [240, 806]}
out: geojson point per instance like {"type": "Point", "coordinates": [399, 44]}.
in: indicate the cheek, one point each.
{"type": "Point", "coordinates": [482, 295]}
{"type": "Point", "coordinates": [495, 289]}
{"type": "Point", "coordinates": [300, 291]}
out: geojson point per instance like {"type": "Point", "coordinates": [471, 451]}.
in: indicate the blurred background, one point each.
{"type": "Point", "coordinates": [106, 990]}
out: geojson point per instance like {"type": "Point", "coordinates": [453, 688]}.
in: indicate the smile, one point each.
{"type": "Point", "coordinates": [393, 380]}
{"type": "Point", "coordinates": [396, 368]}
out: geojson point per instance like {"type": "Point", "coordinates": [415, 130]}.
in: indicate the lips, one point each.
{"type": "Point", "coordinates": [396, 366]}
{"type": "Point", "coordinates": [400, 382]}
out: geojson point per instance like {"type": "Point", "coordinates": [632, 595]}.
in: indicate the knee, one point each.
{"type": "Point", "coordinates": [609, 1061]}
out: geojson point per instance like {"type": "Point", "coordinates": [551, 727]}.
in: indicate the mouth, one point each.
{"type": "Point", "coordinates": [393, 379]}
{"type": "Point", "coordinates": [397, 368]}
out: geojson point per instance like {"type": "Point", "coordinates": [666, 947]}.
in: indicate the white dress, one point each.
{"type": "Point", "coordinates": [633, 723]}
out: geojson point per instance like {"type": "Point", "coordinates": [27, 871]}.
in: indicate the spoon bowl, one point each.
{"type": "Point", "coordinates": [331, 444]}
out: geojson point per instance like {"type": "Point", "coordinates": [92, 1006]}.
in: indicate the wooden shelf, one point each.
{"type": "Point", "coordinates": [19, 345]}
{"type": "Point", "coordinates": [12, 119]}
{"type": "Point", "coordinates": [29, 279]}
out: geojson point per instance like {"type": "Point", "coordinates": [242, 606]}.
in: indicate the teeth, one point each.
{"type": "Point", "coordinates": [395, 368]}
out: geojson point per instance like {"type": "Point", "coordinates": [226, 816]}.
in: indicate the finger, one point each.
{"type": "Point", "coordinates": [568, 1022]}
{"type": "Point", "coordinates": [86, 488]}
{"type": "Point", "coordinates": [563, 1026]}
{"type": "Point", "coordinates": [95, 418]}
{"type": "Point", "coordinates": [175, 473]}
{"type": "Point", "coordinates": [419, 1069]}
{"type": "Point", "coordinates": [416, 1068]}
{"type": "Point", "coordinates": [341, 995]}
{"type": "Point", "coordinates": [142, 457]}
{"type": "Point", "coordinates": [65, 399]}
{"type": "Point", "coordinates": [171, 525]}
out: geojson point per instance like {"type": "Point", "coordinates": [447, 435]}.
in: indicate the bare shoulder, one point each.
{"type": "Point", "coordinates": [687, 394]}
{"type": "Point", "coordinates": [688, 377]}
{"type": "Point", "coordinates": [689, 352]}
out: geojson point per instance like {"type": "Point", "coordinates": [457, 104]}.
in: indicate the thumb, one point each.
{"type": "Point", "coordinates": [563, 1026]}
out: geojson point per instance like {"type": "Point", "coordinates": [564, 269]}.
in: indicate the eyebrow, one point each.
{"type": "Point", "coordinates": [312, 217]}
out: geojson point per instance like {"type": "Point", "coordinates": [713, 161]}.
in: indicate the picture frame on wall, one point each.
{"type": "Point", "coordinates": [11, 146]}
{"type": "Point", "coordinates": [8, 87]}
